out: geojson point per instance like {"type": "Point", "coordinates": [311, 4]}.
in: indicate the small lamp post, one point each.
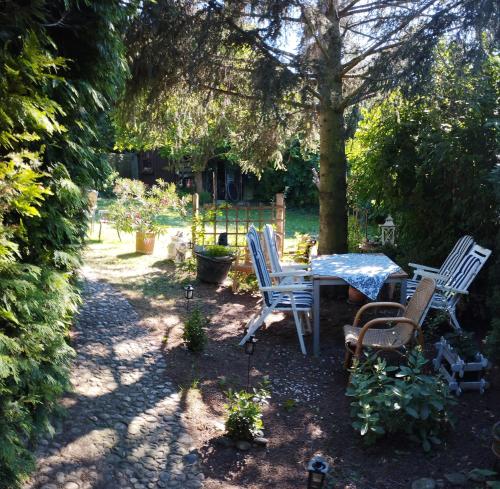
{"type": "Point", "coordinates": [188, 294]}
{"type": "Point", "coordinates": [388, 231]}
{"type": "Point", "coordinates": [317, 469]}
{"type": "Point", "coordinates": [249, 350]}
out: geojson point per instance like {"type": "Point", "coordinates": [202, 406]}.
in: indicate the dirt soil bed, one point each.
{"type": "Point", "coordinates": [308, 412]}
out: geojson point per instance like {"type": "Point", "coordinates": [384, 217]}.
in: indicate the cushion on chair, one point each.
{"type": "Point", "coordinates": [303, 300]}
{"type": "Point", "coordinates": [395, 337]}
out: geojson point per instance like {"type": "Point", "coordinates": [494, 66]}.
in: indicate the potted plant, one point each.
{"type": "Point", "coordinates": [137, 209]}
{"type": "Point", "coordinates": [214, 262]}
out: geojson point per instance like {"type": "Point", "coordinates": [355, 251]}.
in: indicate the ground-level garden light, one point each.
{"type": "Point", "coordinates": [188, 294]}
{"type": "Point", "coordinates": [317, 469]}
{"type": "Point", "coordinates": [249, 350]}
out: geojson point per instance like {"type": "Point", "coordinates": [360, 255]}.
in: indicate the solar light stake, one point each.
{"type": "Point", "coordinates": [317, 469]}
{"type": "Point", "coordinates": [249, 350]}
{"type": "Point", "coordinates": [188, 294]}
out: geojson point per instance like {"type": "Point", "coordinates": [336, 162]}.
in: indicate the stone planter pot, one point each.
{"type": "Point", "coordinates": [356, 297]}
{"type": "Point", "coordinates": [144, 243]}
{"type": "Point", "coordinates": [213, 270]}
{"type": "Point", "coordinates": [495, 446]}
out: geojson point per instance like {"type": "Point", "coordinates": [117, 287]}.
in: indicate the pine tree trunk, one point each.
{"type": "Point", "coordinates": [198, 181]}
{"type": "Point", "coordinates": [333, 163]}
{"type": "Point", "coordinates": [333, 189]}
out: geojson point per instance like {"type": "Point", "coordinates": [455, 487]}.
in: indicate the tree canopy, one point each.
{"type": "Point", "coordinates": [338, 53]}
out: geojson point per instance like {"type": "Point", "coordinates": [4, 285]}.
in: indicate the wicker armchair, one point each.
{"type": "Point", "coordinates": [395, 337]}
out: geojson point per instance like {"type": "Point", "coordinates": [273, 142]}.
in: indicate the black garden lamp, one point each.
{"type": "Point", "coordinates": [249, 350]}
{"type": "Point", "coordinates": [317, 469]}
{"type": "Point", "coordinates": [250, 345]}
{"type": "Point", "coordinates": [188, 294]}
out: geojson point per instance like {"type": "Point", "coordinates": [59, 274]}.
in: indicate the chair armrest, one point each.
{"type": "Point", "coordinates": [286, 288]}
{"type": "Point", "coordinates": [446, 288]}
{"type": "Point", "coordinates": [296, 273]}
{"type": "Point", "coordinates": [371, 305]}
{"type": "Point", "coordinates": [435, 276]}
{"type": "Point", "coordinates": [375, 322]}
{"type": "Point", "coordinates": [423, 267]}
{"type": "Point", "coordinates": [295, 266]}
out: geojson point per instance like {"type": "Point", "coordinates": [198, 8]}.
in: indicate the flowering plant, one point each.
{"type": "Point", "coordinates": [138, 207]}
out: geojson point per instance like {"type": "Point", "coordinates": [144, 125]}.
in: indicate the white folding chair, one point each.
{"type": "Point", "coordinates": [449, 266]}
{"type": "Point", "coordinates": [287, 297]}
{"type": "Point", "coordinates": [453, 287]}
{"type": "Point", "coordinates": [289, 272]}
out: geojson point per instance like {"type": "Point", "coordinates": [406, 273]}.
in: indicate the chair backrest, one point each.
{"type": "Point", "coordinates": [462, 246]}
{"type": "Point", "coordinates": [272, 248]}
{"type": "Point", "coordinates": [467, 270]}
{"type": "Point", "coordinates": [417, 307]}
{"type": "Point", "coordinates": [259, 262]}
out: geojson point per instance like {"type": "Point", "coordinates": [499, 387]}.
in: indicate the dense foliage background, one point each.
{"type": "Point", "coordinates": [61, 65]}
{"type": "Point", "coordinates": [428, 159]}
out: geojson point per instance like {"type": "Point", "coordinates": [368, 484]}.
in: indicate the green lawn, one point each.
{"type": "Point", "coordinates": [297, 220]}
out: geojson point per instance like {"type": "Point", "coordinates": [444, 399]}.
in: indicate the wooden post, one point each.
{"type": "Point", "coordinates": [196, 211]}
{"type": "Point", "coordinates": [280, 221]}
{"type": "Point", "coordinates": [214, 185]}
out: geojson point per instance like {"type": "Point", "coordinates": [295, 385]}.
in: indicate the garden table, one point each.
{"type": "Point", "coordinates": [367, 272]}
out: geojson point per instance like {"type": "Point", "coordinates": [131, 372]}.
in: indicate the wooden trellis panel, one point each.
{"type": "Point", "coordinates": [234, 220]}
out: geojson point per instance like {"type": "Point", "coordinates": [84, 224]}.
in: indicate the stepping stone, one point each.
{"type": "Point", "coordinates": [424, 483]}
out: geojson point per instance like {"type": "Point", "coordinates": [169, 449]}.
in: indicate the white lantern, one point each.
{"type": "Point", "coordinates": [388, 230]}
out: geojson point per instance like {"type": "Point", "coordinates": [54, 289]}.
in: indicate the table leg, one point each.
{"type": "Point", "coordinates": [316, 296]}
{"type": "Point", "coordinates": [402, 298]}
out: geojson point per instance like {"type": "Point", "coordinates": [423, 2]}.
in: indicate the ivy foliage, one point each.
{"type": "Point", "coordinates": [61, 66]}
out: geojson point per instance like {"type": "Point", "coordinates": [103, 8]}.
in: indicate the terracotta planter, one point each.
{"type": "Point", "coordinates": [144, 243]}
{"type": "Point", "coordinates": [495, 446]}
{"type": "Point", "coordinates": [356, 297]}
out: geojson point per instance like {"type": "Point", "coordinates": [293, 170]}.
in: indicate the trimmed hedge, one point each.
{"type": "Point", "coordinates": [57, 80]}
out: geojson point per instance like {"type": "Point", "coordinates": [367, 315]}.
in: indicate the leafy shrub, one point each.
{"type": "Point", "coordinates": [217, 251]}
{"type": "Point", "coordinates": [296, 180]}
{"type": "Point", "coordinates": [427, 159]}
{"type": "Point", "coordinates": [244, 420]}
{"type": "Point", "coordinates": [305, 244]}
{"type": "Point", "coordinates": [243, 282]}
{"type": "Point", "coordinates": [137, 207]}
{"type": "Point", "coordinates": [194, 335]}
{"type": "Point", "coordinates": [354, 234]}
{"type": "Point", "coordinates": [410, 402]}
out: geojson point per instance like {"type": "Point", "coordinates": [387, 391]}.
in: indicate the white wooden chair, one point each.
{"type": "Point", "coordinates": [453, 287]}
{"type": "Point", "coordinates": [286, 272]}
{"type": "Point", "coordinates": [440, 275]}
{"type": "Point", "coordinates": [287, 297]}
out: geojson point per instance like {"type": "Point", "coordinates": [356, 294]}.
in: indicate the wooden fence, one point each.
{"type": "Point", "coordinates": [211, 220]}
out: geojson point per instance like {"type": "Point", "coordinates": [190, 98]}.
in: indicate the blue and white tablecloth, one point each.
{"type": "Point", "coordinates": [366, 272]}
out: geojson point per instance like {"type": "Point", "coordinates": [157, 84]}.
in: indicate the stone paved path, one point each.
{"type": "Point", "coordinates": [124, 427]}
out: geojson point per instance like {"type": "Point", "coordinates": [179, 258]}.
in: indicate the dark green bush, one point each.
{"type": "Point", "coordinates": [56, 82]}
{"type": "Point", "coordinates": [295, 179]}
{"type": "Point", "coordinates": [399, 400]}
{"type": "Point", "coordinates": [427, 159]}
{"type": "Point", "coordinates": [194, 334]}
